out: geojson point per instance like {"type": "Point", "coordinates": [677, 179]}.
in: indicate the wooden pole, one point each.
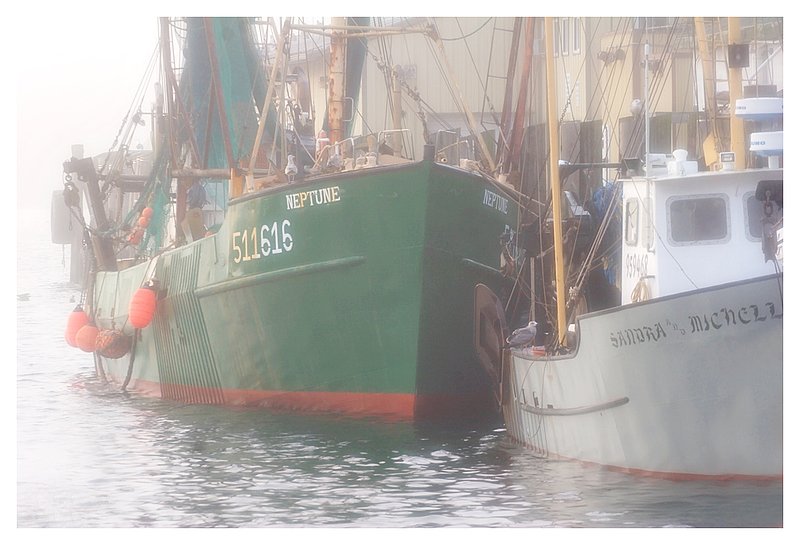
{"type": "Point", "coordinates": [522, 101]}
{"type": "Point", "coordinates": [735, 93]}
{"type": "Point", "coordinates": [336, 81]}
{"type": "Point", "coordinates": [555, 182]}
{"type": "Point", "coordinates": [709, 86]}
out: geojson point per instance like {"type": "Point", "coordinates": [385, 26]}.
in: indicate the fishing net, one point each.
{"type": "Point", "coordinates": [156, 196]}
{"type": "Point", "coordinates": [242, 89]}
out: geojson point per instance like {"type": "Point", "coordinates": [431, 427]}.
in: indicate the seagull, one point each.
{"type": "Point", "coordinates": [522, 336]}
{"type": "Point", "coordinates": [291, 168]}
{"type": "Point", "coordinates": [335, 160]}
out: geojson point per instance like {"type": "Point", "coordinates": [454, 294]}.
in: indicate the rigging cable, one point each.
{"type": "Point", "coordinates": [139, 96]}
{"type": "Point", "coordinates": [592, 261]}
{"type": "Point", "coordinates": [475, 66]}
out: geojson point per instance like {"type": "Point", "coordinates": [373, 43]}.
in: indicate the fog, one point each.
{"type": "Point", "coordinates": [76, 79]}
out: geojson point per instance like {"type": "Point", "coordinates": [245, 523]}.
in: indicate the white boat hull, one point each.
{"type": "Point", "coordinates": [687, 386]}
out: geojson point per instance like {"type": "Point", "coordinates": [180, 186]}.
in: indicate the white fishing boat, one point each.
{"type": "Point", "coordinates": [684, 378]}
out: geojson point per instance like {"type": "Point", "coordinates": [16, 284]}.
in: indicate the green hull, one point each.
{"type": "Point", "coordinates": [349, 293]}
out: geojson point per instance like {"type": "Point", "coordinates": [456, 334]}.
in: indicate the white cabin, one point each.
{"type": "Point", "coordinates": [683, 232]}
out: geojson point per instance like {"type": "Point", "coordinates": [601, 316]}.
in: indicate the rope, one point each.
{"type": "Point", "coordinates": [477, 73]}
{"type": "Point", "coordinates": [779, 279]}
{"type": "Point", "coordinates": [140, 95]}
{"type": "Point", "coordinates": [465, 36]}
{"type": "Point", "coordinates": [641, 292]}
{"type": "Point", "coordinates": [128, 376]}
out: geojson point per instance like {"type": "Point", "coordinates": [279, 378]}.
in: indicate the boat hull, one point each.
{"type": "Point", "coordinates": [688, 386]}
{"type": "Point", "coordinates": [346, 294]}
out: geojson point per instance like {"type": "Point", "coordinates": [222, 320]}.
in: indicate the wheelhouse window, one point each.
{"type": "Point", "coordinates": [754, 209]}
{"type": "Point", "coordinates": [698, 219]}
{"type": "Point", "coordinates": [632, 222]}
{"type": "Point", "coordinates": [754, 216]}
{"type": "Point", "coordinates": [576, 35]}
{"type": "Point", "coordinates": [565, 37]}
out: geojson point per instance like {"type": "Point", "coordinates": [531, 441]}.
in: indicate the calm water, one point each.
{"type": "Point", "coordinates": [91, 457]}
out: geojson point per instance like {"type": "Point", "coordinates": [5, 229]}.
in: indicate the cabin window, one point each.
{"type": "Point", "coordinates": [576, 35]}
{"type": "Point", "coordinates": [632, 222]}
{"type": "Point", "coordinates": [754, 214]}
{"type": "Point", "coordinates": [753, 211]}
{"type": "Point", "coordinates": [565, 37]}
{"type": "Point", "coordinates": [698, 219]}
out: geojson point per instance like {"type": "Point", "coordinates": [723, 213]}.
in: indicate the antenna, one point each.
{"type": "Point", "coordinates": [646, 108]}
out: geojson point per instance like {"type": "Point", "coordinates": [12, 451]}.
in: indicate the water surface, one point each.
{"type": "Point", "coordinates": [90, 456]}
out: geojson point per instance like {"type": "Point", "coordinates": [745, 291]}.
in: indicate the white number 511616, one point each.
{"type": "Point", "coordinates": [270, 239]}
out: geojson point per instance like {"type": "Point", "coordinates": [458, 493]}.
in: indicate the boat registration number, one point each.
{"type": "Point", "coordinates": [264, 241]}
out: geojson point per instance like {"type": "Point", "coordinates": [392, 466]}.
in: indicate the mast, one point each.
{"type": "Point", "coordinates": [709, 91]}
{"type": "Point", "coordinates": [336, 82]}
{"type": "Point", "coordinates": [647, 108]}
{"type": "Point", "coordinates": [505, 116]}
{"type": "Point", "coordinates": [518, 128]}
{"type": "Point", "coordinates": [735, 93]}
{"type": "Point", "coordinates": [555, 182]}
{"type": "Point", "coordinates": [169, 90]}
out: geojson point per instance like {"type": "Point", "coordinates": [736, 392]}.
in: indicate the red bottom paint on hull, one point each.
{"type": "Point", "coordinates": [665, 475]}
{"type": "Point", "coordinates": [386, 406]}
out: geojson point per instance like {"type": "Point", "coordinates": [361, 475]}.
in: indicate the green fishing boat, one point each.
{"type": "Point", "coordinates": [333, 283]}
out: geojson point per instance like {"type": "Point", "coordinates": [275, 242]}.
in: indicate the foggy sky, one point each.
{"type": "Point", "coordinates": [77, 77]}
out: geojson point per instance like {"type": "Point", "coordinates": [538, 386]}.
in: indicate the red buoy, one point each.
{"type": "Point", "coordinates": [77, 319]}
{"type": "Point", "coordinates": [144, 221]}
{"type": "Point", "coordinates": [86, 337]}
{"type": "Point", "coordinates": [147, 212]}
{"type": "Point", "coordinates": [142, 307]}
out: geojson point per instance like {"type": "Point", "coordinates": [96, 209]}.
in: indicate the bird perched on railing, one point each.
{"type": "Point", "coordinates": [291, 168]}
{"type": "Point", "coordinates": [335, 160]}
{"type": "Point", "coordinates": [522, 336]}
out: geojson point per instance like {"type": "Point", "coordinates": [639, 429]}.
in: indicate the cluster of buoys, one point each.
{"type": "Point", "coordinates": [82, 333]}
{"type": "Point", "coordinates": [141, 226]}
{"type": "Point", "coordinates": [111, 343]}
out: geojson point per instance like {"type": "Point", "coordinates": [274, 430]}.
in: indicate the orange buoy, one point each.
{"type": "Point", "coordinates": [86, 337]}
{"type": "Point", "coordinates": [77, 319]}
{"type": "Point", "coordinates": [144, 221]}
{"type": "Point", "coordinates": [147, 212]}
{"type": "Point", "coordinates": [142, 307]}
{"type": "Point", "coordinates": [112, 344]}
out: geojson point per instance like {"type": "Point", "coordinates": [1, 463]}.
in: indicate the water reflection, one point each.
{"type": "Point", "coordinates": [199, 466]}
